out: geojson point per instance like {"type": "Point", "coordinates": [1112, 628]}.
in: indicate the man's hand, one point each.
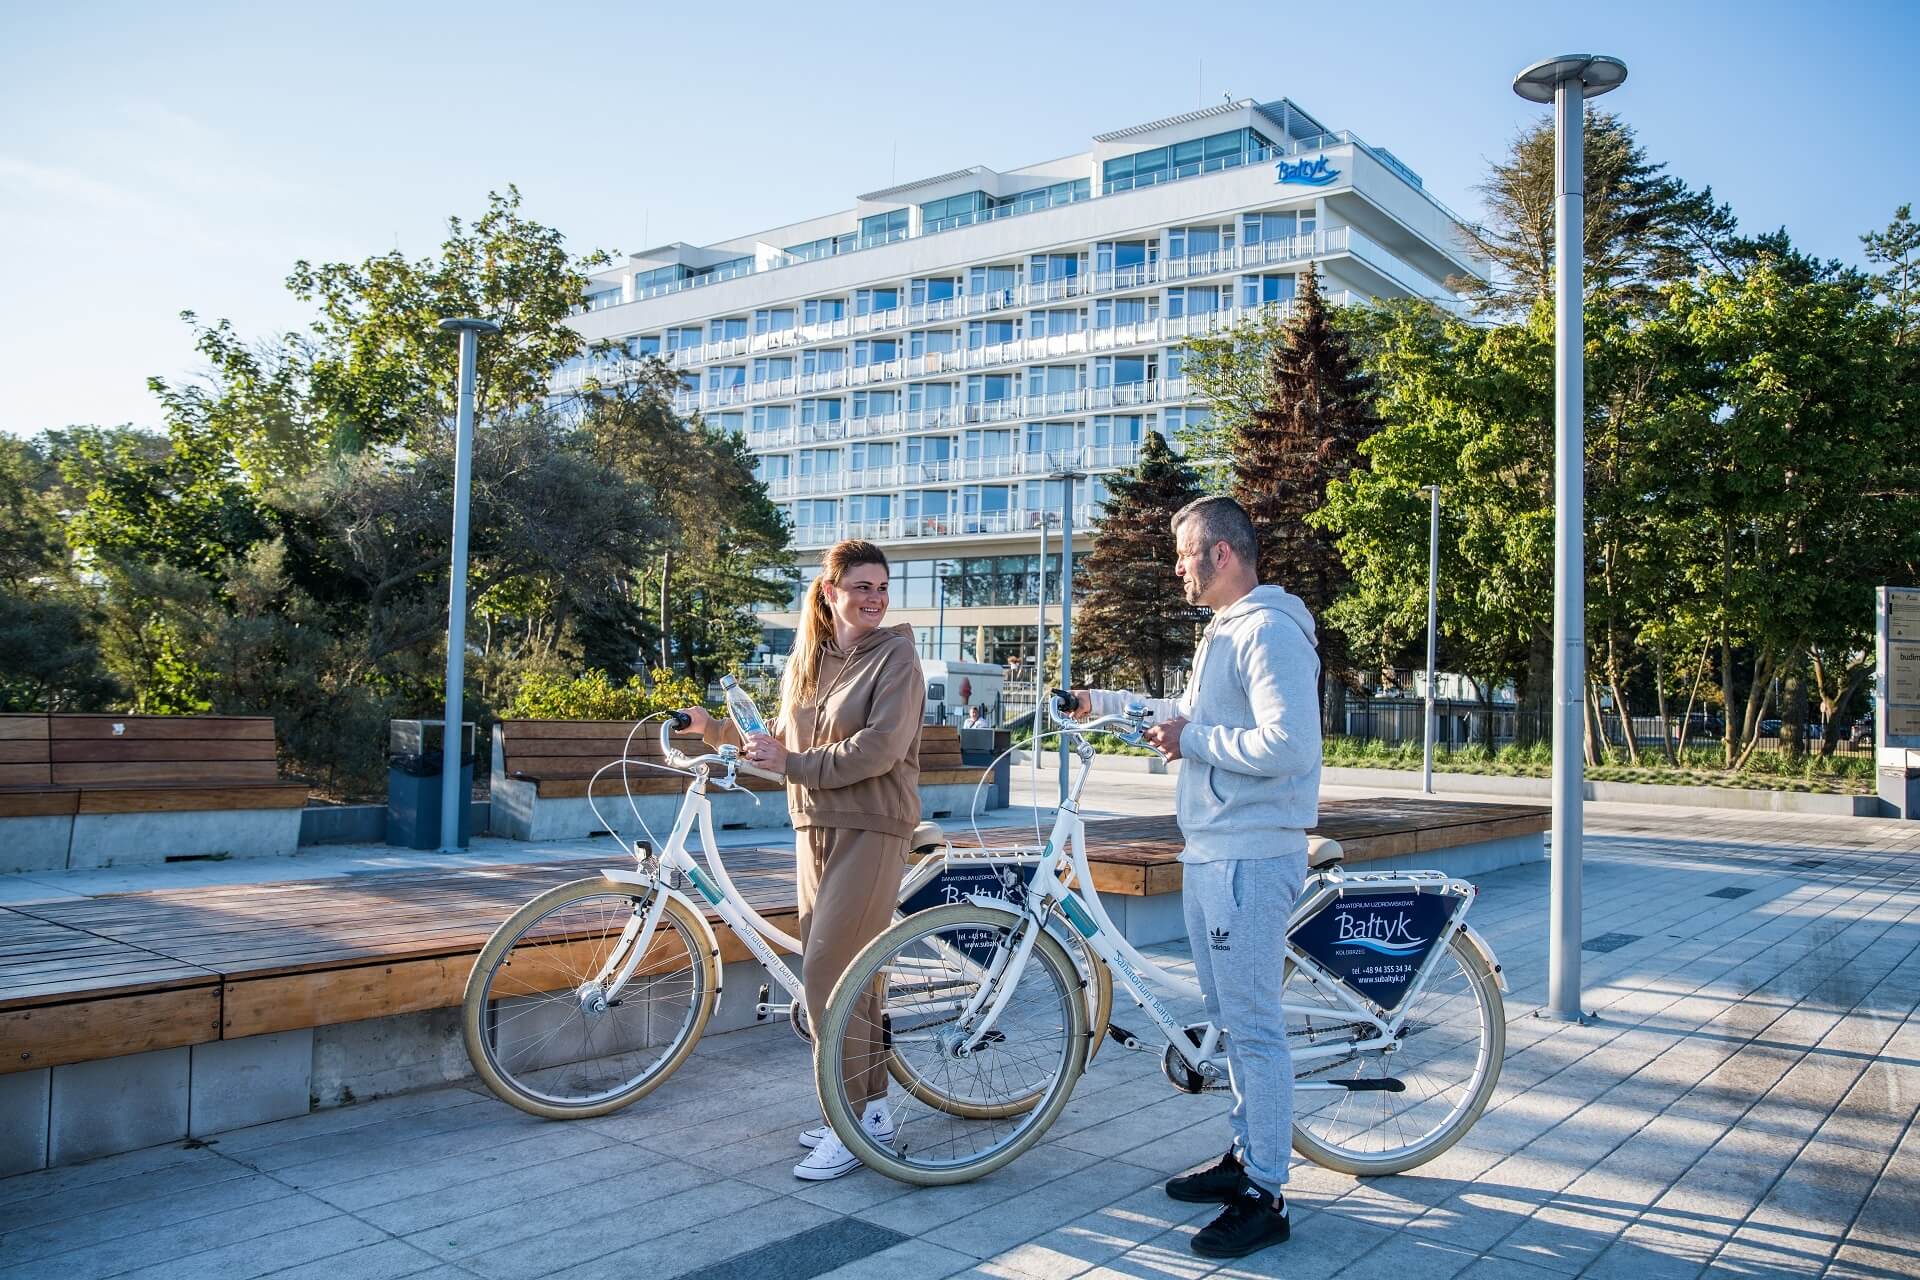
{"type": "Point", "coordinates": [1165, 737]}
{"type": "Point", "coordinates": [1082, 704]}
{"type": "Point", "coordinates": [701, 721]}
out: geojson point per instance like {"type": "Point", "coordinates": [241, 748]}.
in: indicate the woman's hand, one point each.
{"type": "Point", "coordinates": [701, 720]}
{"type": "Point", "coordinates": [764, 751]}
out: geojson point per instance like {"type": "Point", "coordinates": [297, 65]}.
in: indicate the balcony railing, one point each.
{"type": "Point", "coordinates": [900, 528]}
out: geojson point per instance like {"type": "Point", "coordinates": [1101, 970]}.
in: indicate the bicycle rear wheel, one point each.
{"type": "Point", "coordinates": [1413, 1098]}
{"type": "Point", "coordinates": [993, 1098]}
{"type": "Point", "coordinates": [543, 1030]}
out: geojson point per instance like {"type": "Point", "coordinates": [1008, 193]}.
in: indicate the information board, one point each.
{"type": "Point", "coordinates": [1897, 707]}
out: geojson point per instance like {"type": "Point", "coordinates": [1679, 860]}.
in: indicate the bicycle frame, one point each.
{"type": "Point", "coordinates": [1048, 891]}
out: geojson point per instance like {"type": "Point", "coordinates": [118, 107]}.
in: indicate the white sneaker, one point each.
{"type": "Point", "coordinates": [878, 1120]}
{"type": "Point", "coordinates": [828, 1159]}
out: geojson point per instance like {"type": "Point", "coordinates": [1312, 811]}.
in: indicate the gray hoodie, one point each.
{"type": "Point", "coordinates": [1250, 773]}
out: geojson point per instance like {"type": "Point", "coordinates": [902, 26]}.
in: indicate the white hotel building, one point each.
{"type": "Point", "coordinates": [912, 370]}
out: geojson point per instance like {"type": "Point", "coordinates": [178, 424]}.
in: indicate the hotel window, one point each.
{"type": "Point", "coordinates": [1265, 228]}
{"type": "Point", "coordinates": [870, 508]}
{"type": "Point", "coordinates": [772, 369]}
{"type": "Point", "coordinates": [1114, 371]}
{"type": "Point", "coordinates": [1055, 379]}
{"type": "Point", "coordinates": [954, 211]}
{"type": "Point", "coordinates": [987, 444]}
{"type": "Point", "coordinates": [883, 228]}
{"type": "Point", "coordinates": [726, 376]}
{"type": "Point", "coordinates": [991, 333]}
{"type": "Point", "coordinates": [1109, 312]}
{"type": "Point", "coordinates": [823, 360]}
{"type": "Point", "coordinates": [1056, 323]}
{"type": "Point", "coordinates": [870, 457]}
{"type": "Point", "coordinates": [818, 512]}
{"type": "Point", "coordinates": [1184, 159]}
{"type": "Point", "coordinates": [936, 289]}
{"type": "Point", "coordinates": [929, 451]}
{"type": "Point", "coordinates": [1051, 437]}
{"type": "Point", "coordinates": [690, 381]}
{"type": "Point", "coordinates": [1185, 242]}
{"type": "Point", "coordinates": [681, 339]}
{"type": "Point", "coordinates": [731, 423]}
{"type": "Point", "coordinates": [772, 319]}
{"type": "Point", "coordinates": [726, 328]}
{"type": "Point", "coordinates": [929, 396]}
{"type": "Point", "coordinates": [1047, 197]}
{"type": "Point", "coordinates": [875, 404]}
{"type": "Point", "coordinates": [647, 344]}
{"type": "Point", "coordinates": [993, 280]}
{"type": "Point", "coordinates": [823, 310]}
{"type": "Point", "coordinates": [990, 388]}
{"type": "Point", "coordinates": [930, 342]}
{"type": "Point", "coordinates": [875, 351]}
{"type": "Point", "coordinates": [868, 302]}
{"type": "Point", "coordinates": [818, 413]}
{"type": "Point", "coordinates": [772, 417]}
{"type": "Point", "coordinates": [819, 462]}
{"type": "Point", "coordinates": [773, 466]}
{"type": "Point", "coordinates": [658, 280]}
{"type": "Point", "coordinates": [1196, 300]}
{"type": "Point", "coordinates": [1053, 266]}
{"type": "Point", "coordinates": [1257, 291]}
{"type": "Point", "coordinates": [1125, 255]}
{"type": "Point", "coordinates": [1118, 431]}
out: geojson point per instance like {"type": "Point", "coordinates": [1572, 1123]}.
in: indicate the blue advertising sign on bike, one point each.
{"type": "Point", "coordinates": [1376, 943]}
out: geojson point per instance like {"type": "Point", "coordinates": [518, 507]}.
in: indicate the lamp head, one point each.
{"type": "Point", "coordinates": [1596, 72]}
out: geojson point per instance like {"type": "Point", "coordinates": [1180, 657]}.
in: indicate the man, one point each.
{"type": "Point", "coordinates": [1248, 729]}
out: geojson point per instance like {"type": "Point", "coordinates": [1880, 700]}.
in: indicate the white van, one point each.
{"type": "Point", "coordinates": [953, 687]}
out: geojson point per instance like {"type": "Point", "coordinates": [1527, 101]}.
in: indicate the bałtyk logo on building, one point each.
{"type": "Point", "coordinates": [1317, 172]}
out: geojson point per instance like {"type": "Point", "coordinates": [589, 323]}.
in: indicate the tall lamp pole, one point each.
{"type": "Point", "coordinates": [1567, 82]}
{"type": "Point", "coordinates": [1066, 472]}
{"type": "Point", "coordinates": [452, 803]}
{"type": "Point", "coordinates": [1433, 615]}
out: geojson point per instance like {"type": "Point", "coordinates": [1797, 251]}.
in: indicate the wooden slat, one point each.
{"type": "Point", "coordinates": [15, 727]}
{"type": "Point", "coordinates": [137, 727]}
{"type": "Point", "coordinates": [25, 775]}
{"type": "Point", "coordinates": [87, 750]}
{"type": "Point", "coordinates": [23, 751]}
{"type": "Point", "coordinates": [108, 798]}
{"type": "Point", "coordinates": [50, 802]}
{"type": "Point", "coordinates": [215, 771]}
{"type": "Point", "coordinates": [968, 774]}
{"type": "Point", "coordinates": [87, 1030]}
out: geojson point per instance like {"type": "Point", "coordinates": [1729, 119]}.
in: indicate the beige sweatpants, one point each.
{"type": "Point", "coordinates": [849, 885]}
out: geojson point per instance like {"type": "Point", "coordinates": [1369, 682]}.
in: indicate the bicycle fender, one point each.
{"type": "Point", "coordinates": [1485, 952]}
{"type": "Point", "coordinates": [707, 937]}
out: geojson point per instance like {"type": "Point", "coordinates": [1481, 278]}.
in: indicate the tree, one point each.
{"type": "Point", "coordinates": [1643, 226]}
{"type": "Point", "coordinates": [49, 651]}
{"type": "Point", "coordinates": [1897, 250]}
{"type": "Point", "coordinates": [1134, 622]}
{"type": "Point", "coordinates": [1307, 435]}
{"type": "Point", "coordinates": [1230, 370]}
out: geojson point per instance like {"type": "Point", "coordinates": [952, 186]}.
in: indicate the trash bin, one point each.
{"type": "Point", "coordinates": [414, 756]}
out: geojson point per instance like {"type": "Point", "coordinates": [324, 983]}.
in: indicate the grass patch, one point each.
{"type": "Point", "coordinates": [1765, 771]}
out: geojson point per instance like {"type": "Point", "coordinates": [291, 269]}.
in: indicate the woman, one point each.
{"type": "Point", "coordinates": [847, 737]}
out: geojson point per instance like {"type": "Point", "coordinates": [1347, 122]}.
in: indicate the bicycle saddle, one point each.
{"type": "Point", "coordinates": [1322, 852]}
{"type": "Point", "coordinates": [927, 835]}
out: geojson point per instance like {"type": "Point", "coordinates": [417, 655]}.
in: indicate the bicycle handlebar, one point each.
{"type": "Point", "coordinates": [1126, 726]}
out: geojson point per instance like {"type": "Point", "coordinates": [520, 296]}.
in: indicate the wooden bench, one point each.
{"type": "Point", "coordinates": [132, 975]}
{"type": "Point", "coordinates": [97, 790]}
{"type": "Point", "coordinates": [542, 770]}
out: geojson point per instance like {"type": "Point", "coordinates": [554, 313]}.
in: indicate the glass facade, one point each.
{"type": "Point", "coordinates": [1184, 159]}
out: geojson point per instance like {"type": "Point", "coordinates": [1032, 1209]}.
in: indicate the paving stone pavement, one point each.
{"type": "Point", "coordinates": [1744, 1104]}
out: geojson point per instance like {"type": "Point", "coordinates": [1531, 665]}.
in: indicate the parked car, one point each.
{"type": "Point", "coordinates": [1769, 728]}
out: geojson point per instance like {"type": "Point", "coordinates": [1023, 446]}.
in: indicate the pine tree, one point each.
{"type": "Point", "coordinates": [1319, 409]}
{"type": "Point", "coordinates": [1135, 627]}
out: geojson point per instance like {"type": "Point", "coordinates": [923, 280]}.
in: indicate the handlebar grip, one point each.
{"type": "Point", "coordinates": [680, 720]}
{"type": "Point", "coordinates": [1063, 700]}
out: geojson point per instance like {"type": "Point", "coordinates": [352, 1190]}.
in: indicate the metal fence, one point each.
{"type": "Point", "coordinates": [1462, 725]}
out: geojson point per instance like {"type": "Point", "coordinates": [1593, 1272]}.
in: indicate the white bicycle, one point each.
{"type": "Point", "coordinates": [590, 995]}
{"type": "Point", "coordinates": [1392, 1004]}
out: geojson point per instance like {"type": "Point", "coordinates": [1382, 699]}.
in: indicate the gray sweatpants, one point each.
{"type": "Point", "coordinates": [1237, 913]}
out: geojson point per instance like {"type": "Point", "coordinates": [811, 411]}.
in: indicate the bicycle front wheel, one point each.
{"type": "Point", "coordinates": [548, 1025]}
{"type": "Point", "coordinates": [995, 1089]}
{"type": "Point", "coordinates": [1375, 1111]}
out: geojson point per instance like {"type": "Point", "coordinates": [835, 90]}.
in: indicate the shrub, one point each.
{"type": "Point", "coordinates": [594, 696]}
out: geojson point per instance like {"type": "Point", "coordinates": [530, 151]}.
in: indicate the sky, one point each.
{"type": "Point", "coordinates": [156, 159]}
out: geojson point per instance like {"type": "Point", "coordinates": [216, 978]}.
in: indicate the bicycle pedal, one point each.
{"type": "Point", "coordinates": [760, 1010]}
{"type": "Point", "coordinates": [1125, 1038]}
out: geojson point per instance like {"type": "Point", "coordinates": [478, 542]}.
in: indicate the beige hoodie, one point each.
{"type": "Point", "coordinates": [853, 749]}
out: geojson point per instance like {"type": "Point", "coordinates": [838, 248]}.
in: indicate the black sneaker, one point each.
{"type": "Point", "coordinates": [1252, 1220]}
{"type": "Point", "coordinates": [1210, 1186]}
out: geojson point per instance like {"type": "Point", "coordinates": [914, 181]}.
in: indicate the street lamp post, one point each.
{"type": "Point", "coordinates": [452, 803]}
{"type": "Point", "coordinates": [1567, 82]}
{"type": "Point", "coordinates": [942, 569]}
{"type": "Point", "coordinates": [1433, 614]}
{"type": "Point", "coordinates": [1066, 472]}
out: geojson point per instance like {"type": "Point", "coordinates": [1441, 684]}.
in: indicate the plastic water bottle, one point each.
{"type": "Point", "coordinates": [746, 716]}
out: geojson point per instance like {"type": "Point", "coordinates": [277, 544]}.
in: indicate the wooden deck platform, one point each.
{"type": "Point", "coordinates": [101, 977]}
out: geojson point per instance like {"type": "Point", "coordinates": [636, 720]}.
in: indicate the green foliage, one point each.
{"type": "Point", "coordinates": [49, 649]}
{"type": "Point", "coordinates": [1135, 625]}
{"type": "Point", "coordinates": [1230, 370]}
{"type": "Point", "coordinates": [593, 696]}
